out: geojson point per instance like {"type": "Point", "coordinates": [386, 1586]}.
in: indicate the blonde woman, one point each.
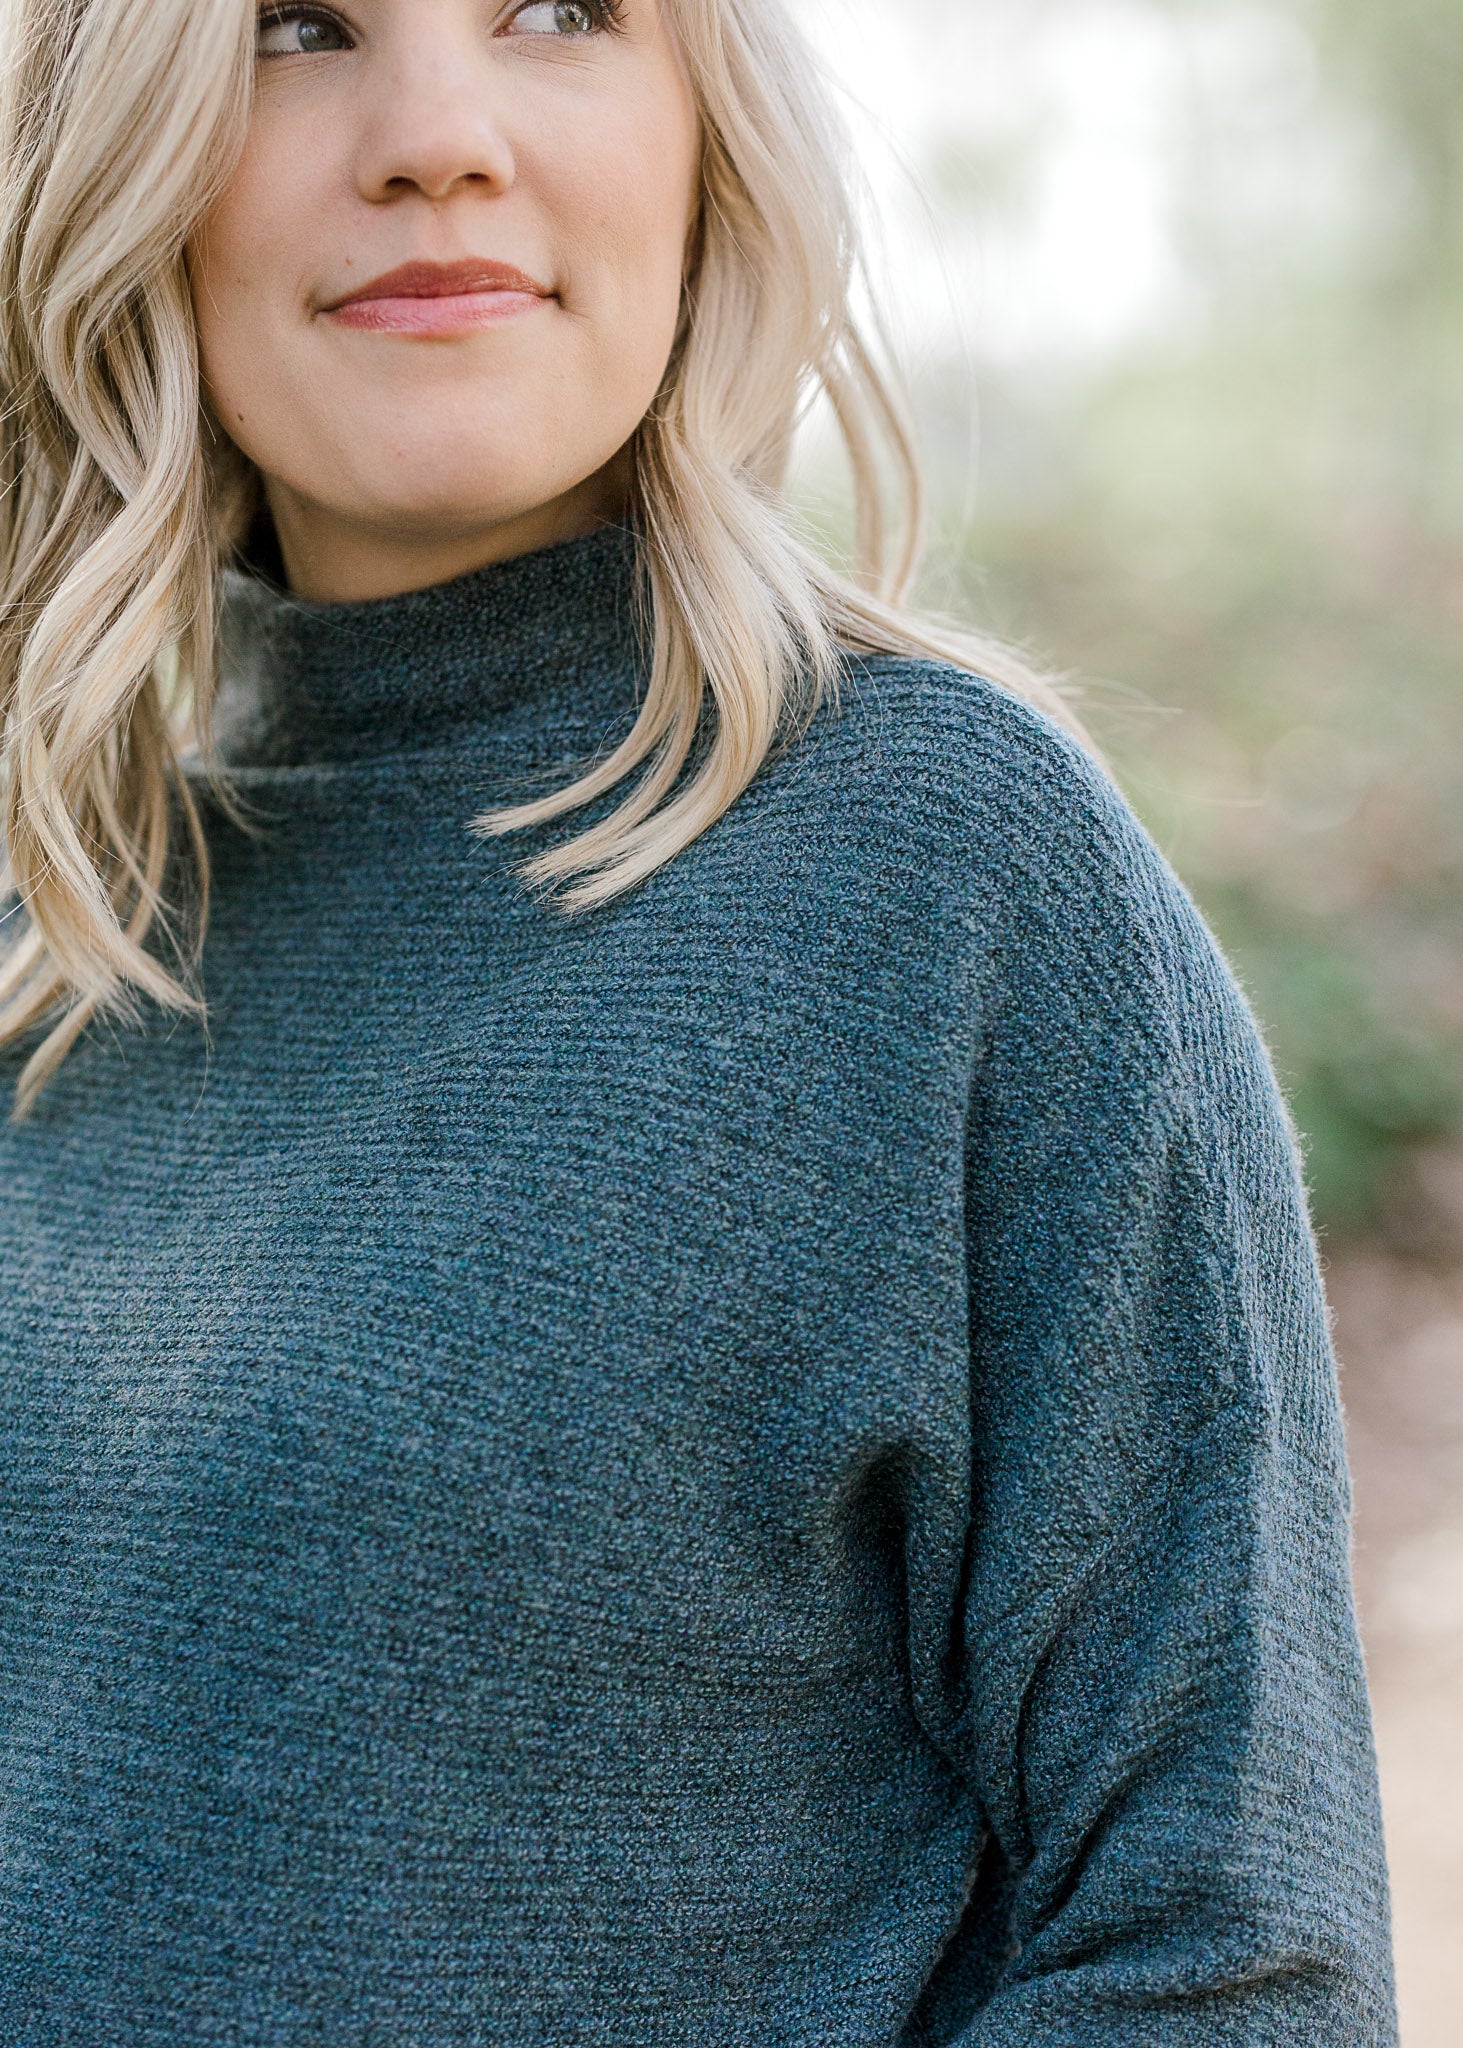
{"type": "Point", "coordinates": [662, 1377]}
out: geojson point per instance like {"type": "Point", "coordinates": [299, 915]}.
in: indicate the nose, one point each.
{"type": "Point", "coordinates": [431, 124]}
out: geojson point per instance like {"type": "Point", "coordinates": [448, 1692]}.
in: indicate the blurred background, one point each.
{"type": "Point", "coordinates": [1180, 285]}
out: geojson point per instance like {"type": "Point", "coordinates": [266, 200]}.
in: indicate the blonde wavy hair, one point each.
{"type": "Point", "coordinates": [121, 501]}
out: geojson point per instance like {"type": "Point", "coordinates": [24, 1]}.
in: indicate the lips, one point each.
{"type": "Point", "coordinates": [440, 301]}
{"type": "Point", "coordinates": [442, 281]}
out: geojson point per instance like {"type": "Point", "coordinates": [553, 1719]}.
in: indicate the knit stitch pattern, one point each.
{"type": "Point", "coordinates": [755, 1467]}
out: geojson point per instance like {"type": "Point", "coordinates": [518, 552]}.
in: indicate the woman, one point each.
{"type": "Point", "coordinates": [743, 1451]}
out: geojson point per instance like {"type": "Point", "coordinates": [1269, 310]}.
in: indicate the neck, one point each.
{"type": "Point", "coordinates": [330, 558]}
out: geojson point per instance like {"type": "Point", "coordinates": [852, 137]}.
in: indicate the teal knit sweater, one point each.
{"type": "Point", "coordinates": [758, 1465]}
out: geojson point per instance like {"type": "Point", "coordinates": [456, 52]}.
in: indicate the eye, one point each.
{"type": "Point", "coordinates": [298, 31]}
{"type": "Point", "coordinates": [567, 17]}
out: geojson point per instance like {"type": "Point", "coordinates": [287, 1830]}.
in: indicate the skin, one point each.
{"type": "Point", "coordinates": [390, 131]}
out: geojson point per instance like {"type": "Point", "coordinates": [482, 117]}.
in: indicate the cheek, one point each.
{"type": "Point", "coordinates": [624, 196]}
{"type": "Point", "coordinates": [243, 272]}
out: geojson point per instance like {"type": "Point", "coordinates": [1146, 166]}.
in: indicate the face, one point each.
{"type": "Point", "coordinates": [440, 291]}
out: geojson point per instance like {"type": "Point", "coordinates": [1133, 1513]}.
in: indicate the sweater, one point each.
{"type": "Point", "coordinates": [759, 1464]}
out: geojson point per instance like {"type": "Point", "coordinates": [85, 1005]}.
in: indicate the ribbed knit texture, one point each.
{"type": "Point", "coordinates": [759, 1465]}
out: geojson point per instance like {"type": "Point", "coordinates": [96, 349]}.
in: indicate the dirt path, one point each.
{"type": "Point", "coordinates": [1399, 1332]}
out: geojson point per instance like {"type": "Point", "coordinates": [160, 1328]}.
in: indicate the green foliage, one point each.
{"type": "Point", "coordinates": [1244, 529]}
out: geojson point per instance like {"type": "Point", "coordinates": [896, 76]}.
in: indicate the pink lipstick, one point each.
{"type": "Point", "coordinates": [439, 298]}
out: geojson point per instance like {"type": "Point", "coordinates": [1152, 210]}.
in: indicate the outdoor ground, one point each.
{"type": "Point", "coordinates": [1399, 1332]}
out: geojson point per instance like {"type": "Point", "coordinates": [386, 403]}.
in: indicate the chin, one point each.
{"type": "Point", "coordinates": [450, 483]}
{"type": "Point", "coordinates": [434, 506]}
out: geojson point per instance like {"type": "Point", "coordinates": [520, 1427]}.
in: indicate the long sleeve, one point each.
{"type": "Point", "coordinates": [1167, 1718]}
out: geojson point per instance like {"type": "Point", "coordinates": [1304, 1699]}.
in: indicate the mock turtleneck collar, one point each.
{"type": "Point", "coordinates": [310, 682]}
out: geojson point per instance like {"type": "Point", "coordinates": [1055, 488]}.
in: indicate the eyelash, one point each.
{"type": "Point", "coordinates": [276, 17]}
{"type": "Point", "coordinates": [610, 15]}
